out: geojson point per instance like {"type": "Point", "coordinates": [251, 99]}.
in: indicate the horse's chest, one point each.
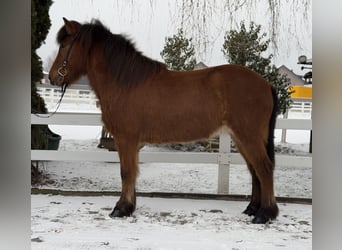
{"type": "Point", "coordinates": [119, 119]}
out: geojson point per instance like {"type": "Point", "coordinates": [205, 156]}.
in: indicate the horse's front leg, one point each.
{"type": "Point", "coordinates": [128, 153]}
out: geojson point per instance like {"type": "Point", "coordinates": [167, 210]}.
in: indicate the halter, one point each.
{"type": "Point", "coordinates": [62, 72]}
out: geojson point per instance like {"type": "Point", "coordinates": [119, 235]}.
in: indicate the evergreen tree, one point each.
{"type": "Point", "coordinates": [178, 52]}
{"type": "Point", "coordinates": [40, 25]}
{"type": "Point", "coordinates": [247, 48]}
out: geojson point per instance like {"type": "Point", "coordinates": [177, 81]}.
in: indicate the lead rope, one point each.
{"type": "Point", "coordinates": [57, 105]}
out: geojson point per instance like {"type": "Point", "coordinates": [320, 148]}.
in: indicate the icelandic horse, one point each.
{"type": "Point", "coordinates": [144, 102]}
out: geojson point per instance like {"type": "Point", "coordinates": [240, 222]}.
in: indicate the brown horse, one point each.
{"type": "Point", "coordinates": [143, 102]}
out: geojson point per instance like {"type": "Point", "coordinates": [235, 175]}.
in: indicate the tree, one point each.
{"type": "Point", "coordinates": [40, 25]}
{"type": "Point", "coordinates": [178, 52]}
{"type": "Point", "coordinates": [247, 48]}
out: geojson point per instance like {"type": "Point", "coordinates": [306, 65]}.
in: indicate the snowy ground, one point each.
{"type": "Point", "coordinates": [82, 222]}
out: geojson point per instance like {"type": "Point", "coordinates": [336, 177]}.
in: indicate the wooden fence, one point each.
{"type": "Point", "coordinates": [74, 93]}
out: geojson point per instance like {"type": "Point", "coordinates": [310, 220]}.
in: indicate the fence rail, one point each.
{"type": "Point", "coordinates": [301, 106]}
{"type": "Point", "coordinates": [74, 93]}
{"type": "Point", "coordinates": [223, 158]}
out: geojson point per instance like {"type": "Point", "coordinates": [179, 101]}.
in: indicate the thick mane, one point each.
{"type": "Point", "coordinates": [126, 65]}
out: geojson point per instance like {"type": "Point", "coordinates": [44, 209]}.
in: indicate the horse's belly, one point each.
{"type": "Point", "coordinates": [185, 128]}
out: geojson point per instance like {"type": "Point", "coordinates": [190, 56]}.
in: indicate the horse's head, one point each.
{"type": "Point", "coordinates": [69, 64]}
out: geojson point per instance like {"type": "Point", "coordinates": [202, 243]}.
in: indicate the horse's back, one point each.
{"type": "Point", "coordinates": [223, 86]}
{"type": "Point", "coordinates": [228, 75]}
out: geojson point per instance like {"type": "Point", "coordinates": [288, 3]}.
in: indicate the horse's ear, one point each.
{"type": "Point", "coordinates": [71, 26]}
{"type": "Point", "coordinates": [65, 20]}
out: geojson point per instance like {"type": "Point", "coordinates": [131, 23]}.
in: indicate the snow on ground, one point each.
{"type": "Point", "coordinates": [82, 222]}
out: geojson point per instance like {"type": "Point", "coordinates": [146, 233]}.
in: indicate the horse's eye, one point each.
{"type": "Point", "coordinates": [62, 45]}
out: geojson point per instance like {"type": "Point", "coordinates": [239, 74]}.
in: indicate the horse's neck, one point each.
{"type": "Point", "coordinates": [98, 76]}
{"type": "Point", "coordinates": [105, 89]}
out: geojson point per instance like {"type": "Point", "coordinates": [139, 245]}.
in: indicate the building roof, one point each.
{"type": "Point", "coordinates": [296, 80]}
{"type": "Point", "coordinates": [200, 65]}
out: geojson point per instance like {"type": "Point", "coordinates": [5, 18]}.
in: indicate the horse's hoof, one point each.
{"type": "Point", "coordinates": [117, 213]}
{"type": "Point", "coordinates": [122, 211]}
{"type": "Point", "coordinates": [266, 214]}
{"type": "Point", "coordinates": [250, 211]}
{"type": "Point", "coordinates": [260, 220]}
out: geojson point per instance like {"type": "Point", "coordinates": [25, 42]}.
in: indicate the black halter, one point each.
{"type": "Point", "coordinates": [62, 72]}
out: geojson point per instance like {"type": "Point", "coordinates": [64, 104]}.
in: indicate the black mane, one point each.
{"type": "Point", "coordinates": [126, 65]}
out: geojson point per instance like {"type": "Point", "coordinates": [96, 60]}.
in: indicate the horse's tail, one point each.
{"type": "Point", "coordinates": [270, 143]}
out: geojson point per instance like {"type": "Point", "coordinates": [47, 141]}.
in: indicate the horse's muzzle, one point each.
{"type": "Point", "coordinates": [57, 81]}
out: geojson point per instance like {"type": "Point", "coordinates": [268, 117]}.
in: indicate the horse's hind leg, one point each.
{"type": "Point", "coordinates": [128, 153]}
{"type": "Point", "coordinates": [263, 204]}
{"type": "Point", "coordinates": [268, 209]}
{"type": "Point", "coordinates": [254, 205]}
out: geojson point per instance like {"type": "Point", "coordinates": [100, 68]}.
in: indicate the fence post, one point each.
{"type": "Point", "coordinates": [224, 162]}
{"type": "Point", "coordinates": [283, 131]}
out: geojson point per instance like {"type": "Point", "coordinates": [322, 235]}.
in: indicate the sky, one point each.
{"type": "Point", "coordinates": [148, 22]}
